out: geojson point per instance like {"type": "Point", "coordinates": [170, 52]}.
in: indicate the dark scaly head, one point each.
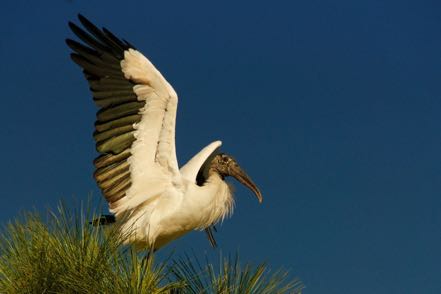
{"type": "Point", "coordinates": [225, 166]}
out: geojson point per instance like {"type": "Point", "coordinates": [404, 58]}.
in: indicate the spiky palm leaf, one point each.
{"type": "Point", "coordinates": [231, 277]}
{"type": "Point", "coordinates": [66, 255]}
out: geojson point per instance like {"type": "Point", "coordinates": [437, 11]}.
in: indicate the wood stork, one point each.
{"type": "Point", "coordinates": [151, 198]}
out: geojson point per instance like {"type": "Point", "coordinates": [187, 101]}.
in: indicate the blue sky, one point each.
{"type": "Point", "coordinates": [333, 107]}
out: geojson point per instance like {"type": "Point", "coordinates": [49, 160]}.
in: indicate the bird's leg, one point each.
{"type": "Point", "coordinates": [210, 236]}
{"type": "Point", "coordinates": [149, 256]}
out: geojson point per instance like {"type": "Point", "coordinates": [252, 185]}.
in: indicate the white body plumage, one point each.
{"type": "Point", "coordinates": [178, 212]}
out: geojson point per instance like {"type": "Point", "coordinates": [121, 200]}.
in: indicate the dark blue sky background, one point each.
{"type": "Point", "coordinates": [333, 107]}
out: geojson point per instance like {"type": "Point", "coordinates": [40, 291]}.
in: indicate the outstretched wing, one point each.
{"type": "Point", "coordinates": [135, 126]}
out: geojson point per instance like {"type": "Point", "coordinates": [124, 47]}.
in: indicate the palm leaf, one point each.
{"type": "Point", "coordinates": [64, 254]}
{"type": "Point", "coordinates": [231, 277]}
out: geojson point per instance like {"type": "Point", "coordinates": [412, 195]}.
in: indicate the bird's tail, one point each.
{"type": "Point", "coordinates": [105, 219]}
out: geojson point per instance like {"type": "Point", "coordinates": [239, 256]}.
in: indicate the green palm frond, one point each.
{"type": "Point", "coordinates": [63, 253]}
{"type": "Point", "coordinates": [231, 277]}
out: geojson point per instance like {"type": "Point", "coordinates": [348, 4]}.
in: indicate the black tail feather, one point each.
{"type": "Point", "coordinates": [105, 219]}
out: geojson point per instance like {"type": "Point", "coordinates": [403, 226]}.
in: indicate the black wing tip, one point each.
{"type": "Point", "coordinates": [76, 57]}
{"type": "Point", "coordinates": [128, 44]}
{"type": "Point", "coordinates": [103, 39]}
{"type": "Point", "coordinates": [106, 31]}
{"type": "Point", "coordinates": [87, 23]}
{"type": "Point", "coordinates": [80, 17]}
{"type": "Point", "coordinates": [75, 28]}
{"type": "Point", "coordinates": [83, 19]}
{"type": "Point", "coordinates": [105, 219]}
{"type": "Point", "coordinates": [72, 44]}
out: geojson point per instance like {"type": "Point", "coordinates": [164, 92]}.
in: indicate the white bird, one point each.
{"type": "Point", "coordinates": [152, 199]}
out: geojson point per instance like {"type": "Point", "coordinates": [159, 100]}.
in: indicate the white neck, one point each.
{"type": "Point", "coordinates": [214, 200]}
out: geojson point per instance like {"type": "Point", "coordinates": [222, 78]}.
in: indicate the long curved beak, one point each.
{"type": "Point", "coordinates": [240, 175]}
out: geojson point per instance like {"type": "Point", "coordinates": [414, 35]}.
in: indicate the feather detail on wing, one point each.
{"type": "Point", "coordinates": [135, 126]}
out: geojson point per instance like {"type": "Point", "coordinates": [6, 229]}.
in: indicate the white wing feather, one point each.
{"type": "Point", "coordinates": [190, 170]}
{"type": "Point", "coordinates": [153, 163]}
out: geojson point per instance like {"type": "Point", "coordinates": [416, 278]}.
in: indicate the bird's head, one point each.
{"type": "Point", "coordinates": [225, 166]}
